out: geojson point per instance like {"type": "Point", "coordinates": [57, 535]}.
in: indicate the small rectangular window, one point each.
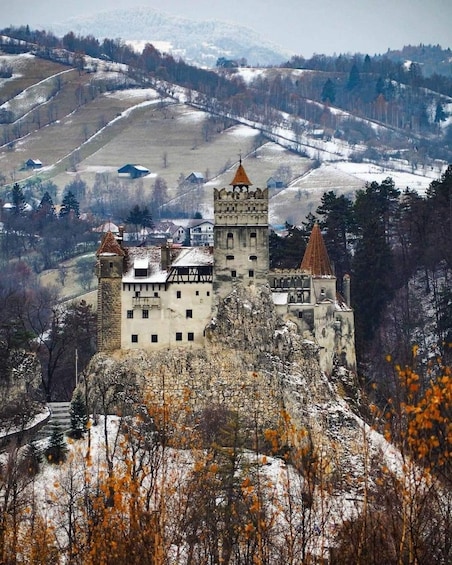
{"type": "Point", "coordinates": [191, 336]}
{"type": "Point", "coordinates": [300, 314]}
{"type": "Point", "coordinates": [208, 293]}
{"type": "Point", "coordinates": [178, 336]}
{"type": "Point", "coordinates": [145, 313]}
{"type": "Point", "coordinates": [197, 293]}
{"type": "Point", "coordinates": [154, 338]}
{"type": "Point", "coordinates": [251, 273]}
{"type": "Point", "coordinates": [134, 338]}
{"type": "Point", "coordinates": [233, 274]}
{"type": "Point", "coordinates": [189, 313]}
{"type": "Point", "coordinates": [130, 313]}
{"type": "Point", "coordinates": [178, 294]}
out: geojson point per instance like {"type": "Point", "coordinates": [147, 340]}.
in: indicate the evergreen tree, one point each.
{"type": "Point", "coordinates": [46, 207]}
{"type": "Point", "coordinates": [372, 266]}
{"type": "Point", "coordinates": [328, 92]}
{"type": "Point", "coordinates": [140, 218]}
{"type": "Point", "coordinates": [353, 78]}
{"type": "Point", "coordinates": [440, 114]}
{"type": "Point", "coordinates": [18, 199]}
{"type": "Point", "coordinates": [57, 449]}
{"type": "Point", "coordinates": [79, 415]}
{"type": "Point", "coordinates": [336, 223]}
{"type": "Point", "coordinates": [69, 204]}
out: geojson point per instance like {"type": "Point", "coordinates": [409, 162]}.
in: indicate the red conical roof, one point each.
{"type": "Point", "coordinates": [110, 244]}
{"type": "Point", "coordinates": [316, 260]}
{"type": "Point", "coordinates": [240, 178]}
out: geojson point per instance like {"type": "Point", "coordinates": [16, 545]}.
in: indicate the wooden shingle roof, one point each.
{"type": "Point", "coordinates": [240, 178]}
{"type": "Point", "coordinates": [316, 260]}
{"type": "Point", "coordinates": [110, 245]}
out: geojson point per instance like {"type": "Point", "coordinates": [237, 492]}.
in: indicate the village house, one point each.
{"type": "Point", "coordinates": [133, 171]}
{"type": "Point", "coordinates": [33, 164]}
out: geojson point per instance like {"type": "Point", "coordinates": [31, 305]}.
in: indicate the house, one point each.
{"type": "Point", "coordinates": [195, 178]}
{"type": "Point", "coordinates": [134, 171]}
{"type": "Point", "coordinates": [201, 232]}
{"type": "Point", "coordinates": [33, 164]}
{"type": "Point", "coordinates": [165, 296]}
{"type": "Point", "coordinates": [272, 182]}
{"type": "Point", "coordinates": [170, 231]}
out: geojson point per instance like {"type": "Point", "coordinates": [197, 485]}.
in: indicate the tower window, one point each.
{"type": "Point", "coordinates": [189, 313]}
{"type": "Point", "coordinates": [251, 273]}
{"type": "Point", "coordinates": [253, 257]}
{"type": "Point", "coordinates": [130, 314]}
{"type": "Point", "coordinates": [178, 294]}
{"type": "Point", "coordinates": [233, 274]}
{"type": "Point", "coordinates": [191, 336]}
{"type": "Point", "coordinates": [154, 338]}
{"type": "Point", "coordinates": [111, 264]}
{"type": "Point", "coordinates": [178, 336]}
{"type": "Point", "coordinates": [134, 338]}
{"type": "Point", "coordinates": [229, 257]}
{"type": "Point", "coordinates": [145, 313]}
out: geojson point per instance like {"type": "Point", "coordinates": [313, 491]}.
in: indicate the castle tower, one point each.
{"type": "Point", "coordinates": [316, 263]}
{"type": "Point", "coordinates": [110, 266]}
{"type": "Point", "coordinates": [240, 235]}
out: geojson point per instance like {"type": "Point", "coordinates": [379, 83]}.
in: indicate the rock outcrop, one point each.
{"type": "Point", "coordinates": [252, 364]}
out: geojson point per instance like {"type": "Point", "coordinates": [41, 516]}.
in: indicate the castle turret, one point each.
{"type": "Point", "coordinates": [110, 266]}
{"type": "Point", "coordinates": [240, 235]}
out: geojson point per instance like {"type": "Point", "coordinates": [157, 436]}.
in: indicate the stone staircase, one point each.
{"type": "Point", "coordinates": [59, 416]}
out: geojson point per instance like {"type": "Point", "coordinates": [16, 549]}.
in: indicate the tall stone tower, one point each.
{"type": "Point", "coordinates": [240, 235]}
{"type": "Point", "coordinates": [110, 267]}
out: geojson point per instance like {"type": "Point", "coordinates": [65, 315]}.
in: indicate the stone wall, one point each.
{"type": "Point", "coordinates": [109, 314]}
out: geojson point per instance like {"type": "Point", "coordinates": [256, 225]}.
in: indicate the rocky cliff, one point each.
{"type": "Point", "coordinates": [255, 366]}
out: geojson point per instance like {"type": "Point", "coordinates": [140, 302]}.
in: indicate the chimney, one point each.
{"type": "Point", "coordinates": [346, 288]}
{"type": "Point", "coordinates": [166, 255]}
{"type": "Point", "coordinates": [120, 237]}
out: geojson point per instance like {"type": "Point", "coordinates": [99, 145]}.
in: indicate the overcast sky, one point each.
{"type": "Point", "coordinates": [303, 27]}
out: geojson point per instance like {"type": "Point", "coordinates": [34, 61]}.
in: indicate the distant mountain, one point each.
{"type": "Point", "coordinates": [197, 42]}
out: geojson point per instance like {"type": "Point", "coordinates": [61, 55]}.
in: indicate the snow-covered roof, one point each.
{"type": "Point", "coordinates": [194, 257]}
{"type": "Point", "coordinates": [141, 263]}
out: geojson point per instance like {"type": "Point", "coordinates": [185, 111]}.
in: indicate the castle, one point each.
{"type": "Point", "coordinates": [164, 297]}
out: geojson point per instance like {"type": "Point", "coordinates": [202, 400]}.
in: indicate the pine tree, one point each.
{"type": "Point", "coordinates": [57, 449]}
{"type": "Point", "coordinates": [79, 416]}
{"type": "Point", "coordinates": [328, 92]}
{"type": "Point", "coordinates": [69, 204]}
{"type": "Point", "coordinates": [46, 207]}
{"type": "Point", "coordinates": [18, 199]}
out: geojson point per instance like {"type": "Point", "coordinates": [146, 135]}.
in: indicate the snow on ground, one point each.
{"type": "Point", "coordinates": [241, 131]}
{"type": "Point", "coordinates": [369, 172]}
{"type": "Point", "coordinates": [192, 115]}
{"type": "Point", "coordinates": [129, 93]}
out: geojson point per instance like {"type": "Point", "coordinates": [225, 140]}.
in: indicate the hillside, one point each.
{"type": "Point", "coordinates": [91, 123]}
